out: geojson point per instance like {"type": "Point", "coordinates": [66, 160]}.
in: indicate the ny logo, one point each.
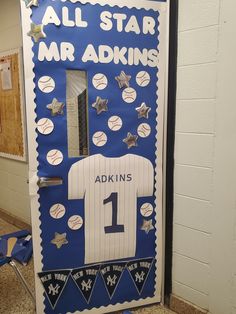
{"type": "Point", "coordinates": [111, 281]}
{"type": "Point", "coordinates": [53, 290]}
{"type": "Point", "coordinates": [86, 285]}
{"type": "Point", "coordinates": [139, 277]}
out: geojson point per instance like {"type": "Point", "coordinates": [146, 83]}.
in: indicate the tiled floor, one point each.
{"type": "Point", "coordinates": [14, 300]}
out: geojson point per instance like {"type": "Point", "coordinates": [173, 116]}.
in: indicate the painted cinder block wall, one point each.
{"type": "Point", "coordinates": [14, 195]}
{"type": "Point", "coordinates": [204, 237]}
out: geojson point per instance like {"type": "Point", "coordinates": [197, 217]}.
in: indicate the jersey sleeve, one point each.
{"type": "Point", "coordinates": [76, 181]}
{"type": "Point", "coordinates": [145, 177]}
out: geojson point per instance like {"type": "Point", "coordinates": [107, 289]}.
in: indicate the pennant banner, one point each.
{"type": "Point", "coordinates": [54, 283]}
{"type": "Point", "coordinates": [139, 271]}
{"type": "Point", "coordinates": [111, 274]}
{"type": "Point", "coordinates": [85, 279]}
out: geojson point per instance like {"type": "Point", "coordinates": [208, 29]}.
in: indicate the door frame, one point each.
{"type": "Point", "coordinates": [168, 196]}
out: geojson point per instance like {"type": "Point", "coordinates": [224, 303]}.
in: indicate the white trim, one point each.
{"type": "Point", "coordinates": [7, 53]}
{"type": "Point", "coordinates": [138, 4]}
{"type": "Point", "coordinates": [164, 144]}
{"type": "Point", "coordinates": [32, 144]}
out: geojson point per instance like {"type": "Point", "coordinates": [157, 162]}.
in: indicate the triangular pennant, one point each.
{"type": "Point", "coordinates": [139, 271]}
{"type": "Point", "coordinates": [85, 279]}
{"type": "Point", "coordinates": [111, 274]}
{"type": "Point", "coordinates": [54, 283]}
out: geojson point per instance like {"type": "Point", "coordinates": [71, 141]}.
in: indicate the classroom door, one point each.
{"type": "Point", "coordinates": [95, 83]}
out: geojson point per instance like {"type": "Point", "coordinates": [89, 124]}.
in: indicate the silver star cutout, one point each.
{"type": "Point", "coordinates": [147, 226]}
{"type": "Point", "coordinates": [56, 107]}
{"type": "Point", "coordinates": [100, 105]}
{"type": "Point", "coordinates": [143, 111]}
{"type": "Point", "coordinates": [59, 239]}
{"type": "Point", "coordinates": [123, 79]}
{"type": "Point", "coordinates": [131, 140]}
{"type": "Point", "coordinates": [36, 32]}
{"type": "Point", "coordinates": [30, 3]}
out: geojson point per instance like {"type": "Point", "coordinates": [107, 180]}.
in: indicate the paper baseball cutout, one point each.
{"type": "Point", "coordinates": [129, 95]}
{"type": "Point", "coordinates": [45, 126]}
{"type": "Point", "coordinates": [99, 139]}
{"type": "Point", "coordinates": [144, 130]}
{"type": "Point", "coordinates": [46, 84]}
{"type": "Point", "coordinates": [75, 222]}
{"type": "Point", "coordinates": [143, 78]}
{"type": "Point", "coordinates": [100, 81]}
{"type": "Point", "coordinates": [115, 123]}
{"type": "Point", "coordinates": [57, 211]}
{"type": "Point", "coordinates": [54, 157]}
{"type": "Point", "coordinates": [146, 210]}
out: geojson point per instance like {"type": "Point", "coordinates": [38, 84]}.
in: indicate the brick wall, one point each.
{"type": "Point", "coordinates": [195, 127]}
{"type": "Point", "coordinates": [204, 250]}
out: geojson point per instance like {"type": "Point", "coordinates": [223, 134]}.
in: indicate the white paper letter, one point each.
{"type": "Point", "coordinates": [106, 24]}
{"type": "Point", "coordinates": [119, 55]}
{"type": "Point", "coordinates": [132, 25]}
{"type": "Point", "coordinates": [120, 18]}
{"type": "Point", "coordinates": [90, 54]}
{"type": "Point", "coordinates": [140, 56]}
{"type": "Point", "coordinates": [105, 54]}
{"type": "Point", "coordinates": [131, 56]}
{"type": "Point", "coordinates": [50, 17]}
{"type": "Point", "coordinates": [149, 25]}
{"type": "Point", "coordinates": [67, 51]}
{"type": "Point", "coordinates": [78, 18]}
{"type": "Point", "coordinates": [65, 18]}
{"type": "Point", "coordinates": [50, 53]}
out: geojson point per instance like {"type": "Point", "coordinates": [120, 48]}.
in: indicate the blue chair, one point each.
{"type": "Point", "coordinates": [11, 247]}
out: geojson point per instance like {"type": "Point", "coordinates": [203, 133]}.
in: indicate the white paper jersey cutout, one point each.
{"type": "Point", "coordinates": [143, 78]}
{"type": "Point", "coordinates": [146, 210]}
{"type": "Point", "coordinates": [144, 130]}
{"type": "Point", "coordinates": [45, 126]}
{"type": "Point", "coordinates": [129, 95]}
{"type": "Point", "coordinates": [110, 191]}
{"type": "Point", "coordinates": [46, 84]}
{"type": "Point", "coordinates": [75, 222]}
{"type": "Point", "coordinates": [115, 123]}
{"type": "Point", "coordinates": [100, 139]}
{"type": "Point", "coordinates": [54, 157]}
{"type": "Point", "coordinates": [100, 81]}
{"type": "Point", "coordinates": [57, 211]}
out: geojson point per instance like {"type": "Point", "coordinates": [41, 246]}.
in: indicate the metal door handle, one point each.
{"type": "Point", "coordinates": [46, 182]}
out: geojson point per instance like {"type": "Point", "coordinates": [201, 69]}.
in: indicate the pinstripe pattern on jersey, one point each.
{"type": "Point", "coordinates": [95, 178]}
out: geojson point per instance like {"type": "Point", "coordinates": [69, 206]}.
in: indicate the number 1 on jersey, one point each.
{"type": "Point", "coordinates": [114, 228]}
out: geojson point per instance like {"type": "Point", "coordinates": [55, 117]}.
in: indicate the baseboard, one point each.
{"type": "Point", "coordinates": [16, 221]}
{"type": "Point", "coordinates": [181, 306]}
